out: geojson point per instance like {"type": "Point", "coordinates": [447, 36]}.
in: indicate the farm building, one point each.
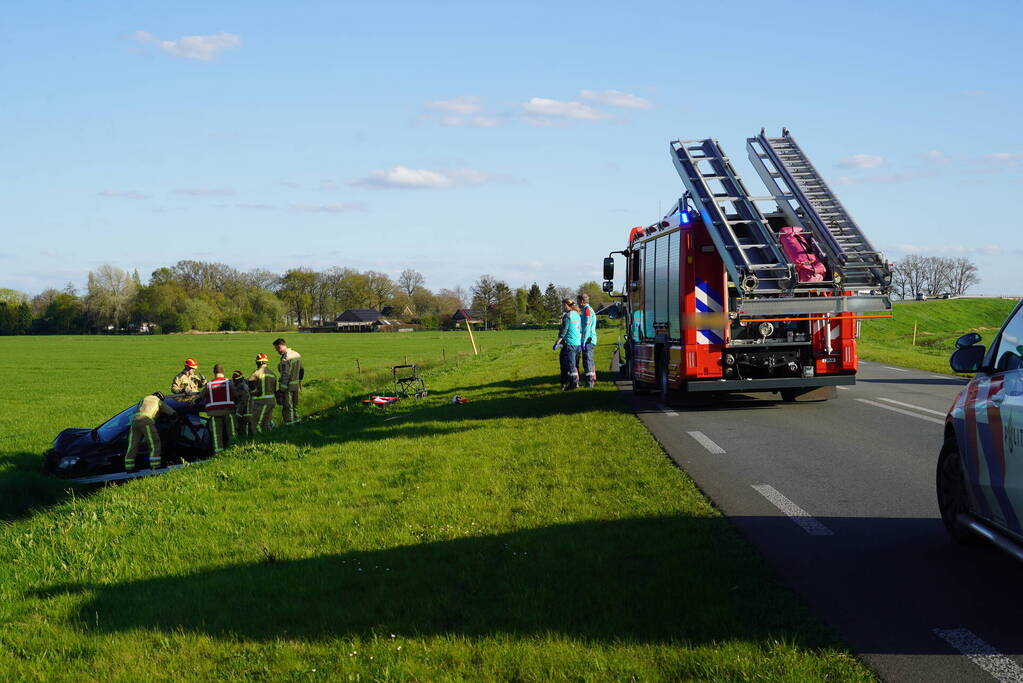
{"type": "Point", "coordinates": [463, 315]}
{"type": "Point", "coordinates": [362, 320]}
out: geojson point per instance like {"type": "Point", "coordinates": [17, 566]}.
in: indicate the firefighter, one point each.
{"type": "Point", "coordinates": [143, 428]}
{"type": "Point", "coordinates": [263, 383]}
{"type": "Point", "coordinates": [218, 402]}
{"type": "Point", "coordinates": [290, 371]}
{"type": "Point", "coordinates": [188, 381]}
{"type": "Point", "coordinates": [587, 338]}
{"type": "Point", "coordinates": [568, 338]}
{"type": "Point", "coordinates": [243, 404]}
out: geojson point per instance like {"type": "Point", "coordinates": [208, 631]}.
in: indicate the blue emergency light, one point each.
{"type": "Point", "coordinates": [683, 218]}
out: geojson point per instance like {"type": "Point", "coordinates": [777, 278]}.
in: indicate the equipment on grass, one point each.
{"type": "Point", "coordinates": [458, 400]}
{"type": "Point", "coordinates": [407, 382]}
{"type": "Point", "coordinates": [731, 292]}
{"type": "Point", "coordinates": [380, 400]}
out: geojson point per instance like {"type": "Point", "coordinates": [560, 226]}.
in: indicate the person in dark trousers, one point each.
{"type": "Point", "coordinates": [243, 404]}
{"type": "Point", "coordinates": [290, 383]}
{"type": "Point", "coordinates": [263, 384]}
{"type": "Point", "coordinates": [568, 339]}
{"type": "Point", "coordinates": [587, 338]}
{"type": "Point", "coordinates": [218, 395]}
{"type": "Point", "coordinates": [143, 428]}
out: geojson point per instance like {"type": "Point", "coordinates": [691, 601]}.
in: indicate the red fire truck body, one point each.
{"type": "Point", "coordinates": [715, 303]}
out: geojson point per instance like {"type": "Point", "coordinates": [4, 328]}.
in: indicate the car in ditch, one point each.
{"type": "Point", "coordinates": [980, 466]}
{"type": "Point", "coordinates": [87, 452]}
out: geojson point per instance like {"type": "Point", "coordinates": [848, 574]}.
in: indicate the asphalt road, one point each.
{"type": "Point", "coordinates": [839, 497]}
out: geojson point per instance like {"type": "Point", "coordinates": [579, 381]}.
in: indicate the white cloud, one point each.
{"type": "Point", "coordinates": [937, 158]}
{"type": "Point", "coordinates": [201, 48]}
{"type": "Point", "coordinates": [885, 179]}
{"type": "Point", "coordinates": [617, 98]}
{"type": "Point", "coordinates": [470, 121]}
{"type": "Point", "coordinates": [257, 207]}
{"type": "Point", "coordinates": [402, 177]}
{"type": "Point", "coordinates": [328, 185]}
{"type": "Point", "coordinates": [205, 191]}
{"type": "Point", "coordinates": [1009, 158]}
{"type": "Point", "coordinates": [330, 208]}
{"type": "Point", "coordinates": [464, 104]}
{"type": "Point", "coordinates": [541, 106]}
{"type": "Point", "coordinates": [124, 194]}
{"type": "Point", "coordinates": [862, 161]}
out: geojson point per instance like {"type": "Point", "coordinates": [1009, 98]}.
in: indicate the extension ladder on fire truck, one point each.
{"type": "Point", "coordinates": [817, 210]}
{"type": "Point", "coordinates": [745, 241]}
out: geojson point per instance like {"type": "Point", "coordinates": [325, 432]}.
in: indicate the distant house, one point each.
{"type": "Point", "coordinates": [462, 316]}
{"type": "Point", "coordinates": [466, 315]}
{"type": "Point", "coordinates": [391, 313]}
{"type": "Point", "coordinates": [361, 320]}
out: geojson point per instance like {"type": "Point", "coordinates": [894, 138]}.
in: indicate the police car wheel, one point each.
{"type": "Point", "coordinates": [953, 499]}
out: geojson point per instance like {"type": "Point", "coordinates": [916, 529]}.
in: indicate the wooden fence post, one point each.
{"type": "Point", "coordinates": [358, 365]}
{"type": "Point", "coordinates": [914, 332]}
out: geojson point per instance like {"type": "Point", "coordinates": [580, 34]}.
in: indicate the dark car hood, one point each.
{"type": "Point", "coordinates": [72, 439]}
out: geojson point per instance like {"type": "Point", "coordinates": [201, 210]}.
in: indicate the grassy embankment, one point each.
{"type": "Point", "coordinates": [79, 381]}
{"type": "Point", "coordinates": [528, 535]}
{"type": "Point", "coordinates": [939, 323]}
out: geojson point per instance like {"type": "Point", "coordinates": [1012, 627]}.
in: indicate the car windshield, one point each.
{"type": "Point", "coordinates": [115, 426]}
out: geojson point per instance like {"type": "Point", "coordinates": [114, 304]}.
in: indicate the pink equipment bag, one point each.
{"type": "Point", "coordinates": [798, 246]}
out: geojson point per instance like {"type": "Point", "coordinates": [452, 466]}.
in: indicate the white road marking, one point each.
{"type": "Point", "coordinates": [888, 367]}
{"type": "Point", "coordinates": [797, 514]}
{"type": "Point", "coordinates": [707, 443]}
{"type": "Point", "coordinates": [844, 388]}
{"type": "Point", "coordinates": [910, 405]}
{"type": "Point", "coordinates": [903, 412]}
{"type": "Point", "coordinates": [668, 411]}
{"type": "Point", "coordinates": [982, 654]}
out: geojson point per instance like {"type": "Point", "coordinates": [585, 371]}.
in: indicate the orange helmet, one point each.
{"type": "Point", "coordinates": [190, 363]}
{"type": "Point", "coordinates": [261, 358]}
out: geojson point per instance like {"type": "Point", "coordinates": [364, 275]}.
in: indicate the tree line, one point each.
{"type": "Point", "coordinates": [931, 276]}
{"type": "Point", "coordinates": [205, 296]}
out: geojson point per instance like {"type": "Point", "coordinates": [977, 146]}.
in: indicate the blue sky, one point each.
{"type": "Point", "coordinates": [460, 138]}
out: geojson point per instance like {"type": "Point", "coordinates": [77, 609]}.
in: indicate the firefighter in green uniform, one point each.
{"type": "Point", "coordinates": [188, 381]}
{"type": "Point", "coordinates": [263, 383]}
{"type": "Point", "coordinates": [143, 428]}
{"type": "Point", "coordinates": [243, 404]}
{"type": "Point", "coordinates": [290, 371]}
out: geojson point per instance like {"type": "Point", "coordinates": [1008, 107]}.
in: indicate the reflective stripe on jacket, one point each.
{"type": "Point", "coordinates": [588, 327]}
{"type": "Point", "coordinates": [219, 394]}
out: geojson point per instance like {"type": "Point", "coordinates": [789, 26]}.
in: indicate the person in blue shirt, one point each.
{"type": "Point", "coordinates": [587, 338]}
{"type": "Point", "coordinates": [569, 339]}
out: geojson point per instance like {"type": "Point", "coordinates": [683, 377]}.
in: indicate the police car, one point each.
{"type": "Point", "coordinates": [980, 467]}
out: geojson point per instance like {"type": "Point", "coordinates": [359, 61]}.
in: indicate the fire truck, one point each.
{"type": "Point", "coordinates": [730, 292]}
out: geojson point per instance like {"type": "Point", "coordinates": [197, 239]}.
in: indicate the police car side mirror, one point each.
{"type": "Point", "coordinates": [968, 339]}
{"type": "Point", "coordinates": [967, 359]}
{"type": "Point", "coordinates": [609, 268]}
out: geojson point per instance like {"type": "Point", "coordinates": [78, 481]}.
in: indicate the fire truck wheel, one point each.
{"type": "Point", "coordinates": [953, 499]}
{"type": "Point", "coordinates": [662, 375]}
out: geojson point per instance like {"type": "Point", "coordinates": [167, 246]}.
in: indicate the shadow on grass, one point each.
{"type": "Point", "coordinates": [24, 489]}
{"type": "Point", "coordinates": [660, 579]}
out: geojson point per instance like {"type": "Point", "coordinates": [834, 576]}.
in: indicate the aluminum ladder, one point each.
{"type": "Point", "coordinates": [745, 241]}
{"type": "Point", "coordinates": [817, 210]}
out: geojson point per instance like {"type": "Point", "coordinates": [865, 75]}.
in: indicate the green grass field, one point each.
{"type": "Point", "coordinates": [528, 535]}
{"type": "Point", "coordinates": [939, 323]}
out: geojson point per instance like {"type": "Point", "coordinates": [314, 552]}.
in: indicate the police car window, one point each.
{"type": "Point", "coordinates": [1010, 345]}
